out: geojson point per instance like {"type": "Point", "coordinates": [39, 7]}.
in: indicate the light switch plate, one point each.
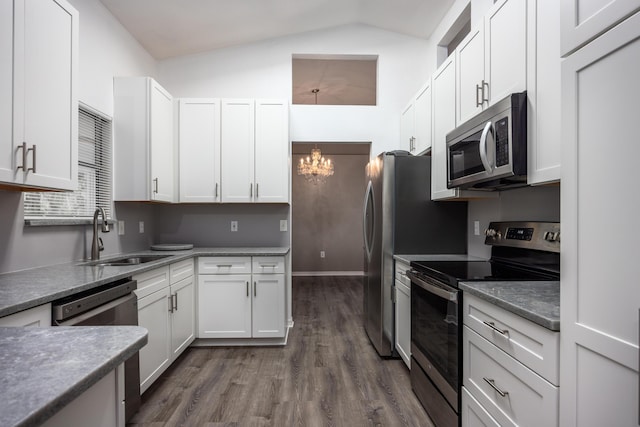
{"type": "Point", "coordinates": [234, 225]}
{"type": "Point", "coordinates": [120, 228]}
{"type": "Point", "coordinates": [141, 226]}
{"type": "Point", "coordinates": [476, 228]}
{"type": "Point", "coordinates": [283, 225]}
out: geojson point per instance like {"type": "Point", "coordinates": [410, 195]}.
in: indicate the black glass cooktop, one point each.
{"type": "Point", "coordinates": [452, 272]}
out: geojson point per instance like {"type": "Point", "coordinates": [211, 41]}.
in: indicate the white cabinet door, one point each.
{"type": "Point", "coordinates": [584, 20]}
{"type": "Point", "coordinates": [183, 311]}
{"type": "Point", "coordinates": [36, 317]}
{"type": "Point", "coordinates": [407, 125]}
{"type": "Point", "coordinates": [444, 121]}
{"type": "Point", "coordinates": [153, 314]}
{"type": "Point", "coordinates": [470, 76]}
{"type": "Point", "coordinates": [473, 414]}
{"type": "Point", "coordinates": [7, 155]}
{"type": "Point", "coordinates": [268, 306]}
{"type": "Point", "coordinates": [506, 49]}
{"type": "Point", "coordinates": [199, 142]}
{"type": "Point", "coordinates": [237, 141]}
{"type": "Point", "coordinates": [422, 120]}
{"type": "Point", "coordinates": [600, 293]}
{"type": "Point", "coordinates": [544, 143]}
{"type": "Point", "coordinates": [161, 146]}
{"type": "Point", "coordinates": [403, 322]}
{"type": "Point", "coordinates": [224, 306]}
{"type": "Point", "coordinates": [272, 166]}
{"type": "Point", "coordinates": [45, 108]}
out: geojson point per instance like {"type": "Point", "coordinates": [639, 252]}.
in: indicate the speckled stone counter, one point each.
{"type": "Point", "coordinates": [44, 369]}
{"type": "Point", "coordinates": [25, 289]}
{"type": "Point", "coordinates": [535, 301]}
{"type": "Point", "coordinates": [443, 257]}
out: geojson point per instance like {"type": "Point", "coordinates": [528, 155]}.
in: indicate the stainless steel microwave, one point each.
{"type": "Point", "coordinates": [489, 151]}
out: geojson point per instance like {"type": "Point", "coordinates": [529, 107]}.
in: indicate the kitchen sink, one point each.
{"type": "Point", "coordinates": [124, 261]}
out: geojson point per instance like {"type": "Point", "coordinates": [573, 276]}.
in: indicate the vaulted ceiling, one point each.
{"type": "Point", "coordinates": [169, 28]}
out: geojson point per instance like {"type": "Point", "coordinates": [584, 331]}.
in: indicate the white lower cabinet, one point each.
{"type": "Point", "coordinates": [246, 302]}
{"type": "Point", "coordinates": [166, 308]}
{"type": "Point", "coordinates": [39, 316]}
{"type": "Point", "coordinates": [505, 362]}
{"type": "Point", "coordinates": [403, 312]}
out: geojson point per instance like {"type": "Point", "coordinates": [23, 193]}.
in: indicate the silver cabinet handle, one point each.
{"type": "Point", "coordinates": [492, 383]}
{"type": "Point", "coordinates": [23, 147]}
{"type": "Point", "coordinates": [33, 157]}
{"type": "Point", "coordinates": [485, 97]}
{"type": "Point", "coordinates": [255, 289]}
{"type": "Point", "coordinates": [247, 289]}
{"type": "Point", "coordinates": [224, 265]}
{"type": "Point", "coordinates": [492, 325]}
{"type": "Point", "coordinates": [175, 307]}
{"type": "Point", "coordinates": [170, 303]}
{"type": "Point", "coordinates": [257, 191]}
{"type": "Point", "coordinates": [216, 191]}
{"type": "Point", "coordinates": [268, 265]}
{"type": "Point", "coordinates": [251, 191]}
{"type": "Point", "coordinates": [155, 185]}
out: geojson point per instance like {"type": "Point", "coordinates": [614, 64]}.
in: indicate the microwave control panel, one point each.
{"type": "Point", "coordinates": [502, 142]}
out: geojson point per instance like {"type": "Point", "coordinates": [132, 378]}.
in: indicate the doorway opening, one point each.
{"type": "Point", "coordinates": [327, 216]}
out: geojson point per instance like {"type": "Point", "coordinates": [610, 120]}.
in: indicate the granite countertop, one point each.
{"type": "Point", "coordinates": [26, 289]}
{"type": "Point", "coordinates": [535, 301]}
{"type": "Point", "coordinates": [44, 369]}
{"type": "Point", "coordinates": [437, 257]}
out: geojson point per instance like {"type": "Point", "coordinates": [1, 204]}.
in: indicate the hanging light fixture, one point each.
{"type": "Point", "coordinates": [315, 168]}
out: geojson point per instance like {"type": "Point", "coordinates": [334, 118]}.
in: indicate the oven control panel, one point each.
{"type": "Point", "coordinates": [524, 234]}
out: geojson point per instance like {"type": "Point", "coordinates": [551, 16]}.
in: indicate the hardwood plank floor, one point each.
{"type": "Point", "coordinates": [328, 374]}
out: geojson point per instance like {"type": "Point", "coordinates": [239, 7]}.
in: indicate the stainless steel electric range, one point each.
{"type": "Point", "coordinates": [520, 251]}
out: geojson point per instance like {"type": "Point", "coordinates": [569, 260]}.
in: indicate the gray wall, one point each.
{"type": "Point", "coordinates": [210, 224]}
{"type": "Point", "coordinates": [522, 204]}
{"type": "Point", "coordinates": [24, 247]}
{"type": "Point", "coordinates": [328, 216]}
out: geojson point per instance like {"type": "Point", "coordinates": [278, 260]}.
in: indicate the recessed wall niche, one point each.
{"type": "Point", "coordinates": [334, 79]}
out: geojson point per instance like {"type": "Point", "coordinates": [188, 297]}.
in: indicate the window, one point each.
{"type": "Point", "coordinates": [94, 176]}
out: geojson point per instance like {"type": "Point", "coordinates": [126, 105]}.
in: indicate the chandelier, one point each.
{"type": "Point", "coordinates": [315, 168]}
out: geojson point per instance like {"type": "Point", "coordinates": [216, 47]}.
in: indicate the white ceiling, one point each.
{"type": "Point", "coordinates": [168, 28]}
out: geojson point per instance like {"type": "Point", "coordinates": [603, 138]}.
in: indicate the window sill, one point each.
{"type": "Point", "coordinates": [47, 222]}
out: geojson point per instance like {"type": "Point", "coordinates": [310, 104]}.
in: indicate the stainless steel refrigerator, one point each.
{"type": "Point", "coordinates": [400, 218]}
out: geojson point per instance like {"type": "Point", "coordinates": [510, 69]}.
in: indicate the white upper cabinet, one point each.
{"type": "Point", "coordinates": [199, 152]}
{"type": "Point", "coordinates": [415, 122]}
{"type": "Point", "coordinates": [143, 140]}
{"type": "Point", "coordinates": [584, 20]}
{"type": "Point", "coordinates": [39, 124]}
{"type": "Point", "coordinates": [255, 151]}
{"type": "Point", "coordinates": [237, 142]}
{"type": "Point", "coordinates": [492, 59]}
{"type": "Point", "coordinates": [505, 50]}
{"type": "Point", "coordinates": [544, 144]}
{"type": "Point", "coordinates": [272, 166]}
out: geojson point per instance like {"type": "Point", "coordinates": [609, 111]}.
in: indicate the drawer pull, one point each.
{"type": "Point", "coordinates": [224, 265]}
{"type": "Point", "coordinates": [492, 383]}
{"type": "Point", "coordinates": [268, 265]}
{"type": "Point", "coordinates": [500, 331]}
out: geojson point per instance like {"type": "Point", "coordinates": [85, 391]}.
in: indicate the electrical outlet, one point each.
{"type": "Point", "coordinates": [283, 225]}
{"type": "Point", "coordinates": [141, 226]}
{"type": "Point", "coordinates": [120, 228]}
{"type": "Point", "coordinates": [234, 225]}
{"type": "Point", "coordinates": [321, 254]}
{"type": "Point", "coordinates": [476, 228]}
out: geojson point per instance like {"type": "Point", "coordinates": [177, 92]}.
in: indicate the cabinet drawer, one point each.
{"type": "Point", "coordinates": [401, 273]}
{"type": "Point", "coordinates": [533, 345]}
{"type": "Point", "coordinates": [181, 270]}
{"type": "Point", "coordinates": [224, 265]}
{"type": "Point", "coordinates": [266, 265]}
{"type": "Point", "coordinates": [529, 400]}
{"type": "Point", "coordinates": [473, 414]}
{"type": "Point", "coordinates": [151, 281]}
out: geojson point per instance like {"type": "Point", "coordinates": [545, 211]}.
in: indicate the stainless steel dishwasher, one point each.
{"type": "Point", "coordinates": [113, 304]}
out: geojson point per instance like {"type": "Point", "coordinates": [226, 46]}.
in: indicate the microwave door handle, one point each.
{"type": "Point", "coordinates": [483, 147]}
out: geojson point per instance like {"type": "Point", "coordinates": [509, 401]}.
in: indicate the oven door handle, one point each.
{"type": "Point", "coordinates": [433, 287]}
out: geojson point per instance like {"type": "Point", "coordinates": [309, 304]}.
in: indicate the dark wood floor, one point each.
{"type": "Point", "coordinates": [329, 374]}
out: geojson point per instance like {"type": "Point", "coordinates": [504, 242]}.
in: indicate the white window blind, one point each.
{"type": "Point", "coordinates": [94, 175]}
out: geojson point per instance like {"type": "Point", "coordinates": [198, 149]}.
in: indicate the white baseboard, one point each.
{"type": "Point", "coordinates": [243, 342]}
{"type": "Point", "coordinates": [327, 273]}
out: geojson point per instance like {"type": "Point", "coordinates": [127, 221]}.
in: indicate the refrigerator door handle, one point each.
{"type": "Point", "coordinates": [368, 200]}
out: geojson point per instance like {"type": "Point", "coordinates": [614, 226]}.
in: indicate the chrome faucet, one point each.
{"type": "Point", "coordinates": [97, 244]}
